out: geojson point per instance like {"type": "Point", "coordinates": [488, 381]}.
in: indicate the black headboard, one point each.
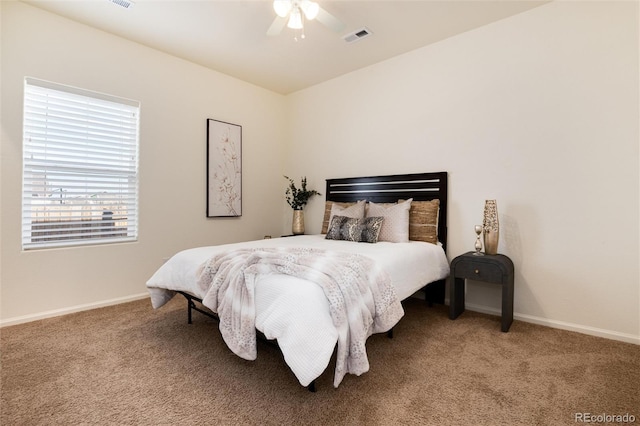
{"type": "Point", "coordinates": [391, 188]}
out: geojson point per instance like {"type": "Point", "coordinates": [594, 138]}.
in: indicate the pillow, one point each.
{"type": "Point", "coordinates": [332, 208]}
{"type": "Point", "coordinates": [365, 230]}
{"type": "Point", "coordinates": [395, 228]}
{"type": "Point", "coordinates": [423, 221]}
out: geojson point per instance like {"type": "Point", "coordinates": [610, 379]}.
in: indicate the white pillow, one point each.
{"type": "Point", "coordinates": [395, 227]}
{"type": "Point", "coordinates": [355, 211]}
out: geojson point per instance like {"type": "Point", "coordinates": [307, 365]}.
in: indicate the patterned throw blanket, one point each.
{"type": "Point", "coordinates": [361, 298]}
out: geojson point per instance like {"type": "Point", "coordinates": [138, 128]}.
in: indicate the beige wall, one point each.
{"type": "Point", "coordinates": [176, 99]}
{"type": "Point", "coordinates": [539, 111]}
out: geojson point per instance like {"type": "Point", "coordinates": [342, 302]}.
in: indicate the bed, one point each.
{"type": "Point", "coordinates": [322, 295]}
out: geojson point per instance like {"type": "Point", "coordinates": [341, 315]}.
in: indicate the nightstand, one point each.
{"type": "Point", "coordinates": [497, 269]}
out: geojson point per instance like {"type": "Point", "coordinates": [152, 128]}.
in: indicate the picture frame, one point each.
{"type": "Point", "coordinates": [224, 169]}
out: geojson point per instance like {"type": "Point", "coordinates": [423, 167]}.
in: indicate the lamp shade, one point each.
{"type": "Point", "coordinates": [282, 7]}
{"type": "Point", "coordinates": [295, 19]}
{"type": "Point", "coordinates": [310, 9]}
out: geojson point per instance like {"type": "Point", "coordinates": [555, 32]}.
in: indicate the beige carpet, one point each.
{"type": "Point", "coordinates": [128, 364]}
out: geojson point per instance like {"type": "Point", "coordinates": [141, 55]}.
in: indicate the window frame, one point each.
{"type": "Point", "coordinates": [87, 144]}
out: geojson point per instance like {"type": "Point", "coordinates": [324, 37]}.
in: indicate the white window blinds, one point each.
{"type": "Point", "coordinates": [80, 167]}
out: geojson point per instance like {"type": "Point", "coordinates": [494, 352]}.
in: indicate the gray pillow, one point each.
{"type": "Point", "coordinates": [360, 230]}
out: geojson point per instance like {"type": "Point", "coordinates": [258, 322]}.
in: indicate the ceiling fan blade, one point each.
{"type": "Point", "coordinates": [276, 26]}
{"type": "Point", "coordinates": [330, 21]}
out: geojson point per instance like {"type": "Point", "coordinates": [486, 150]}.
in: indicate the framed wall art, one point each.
{"type": "Point", "coordinates": [224, 169]}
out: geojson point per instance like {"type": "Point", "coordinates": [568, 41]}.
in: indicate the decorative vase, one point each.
{"type": "Point", "coordinates": [297, 226]}
{"type": "Point", "coordinates": [490, 227]}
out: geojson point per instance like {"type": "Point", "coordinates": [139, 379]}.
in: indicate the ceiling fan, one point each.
{"type": "Point", "coordinates": [294, 12]}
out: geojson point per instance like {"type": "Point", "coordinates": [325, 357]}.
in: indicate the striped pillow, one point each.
{"type": "Point", "coordinates": [423, 221]}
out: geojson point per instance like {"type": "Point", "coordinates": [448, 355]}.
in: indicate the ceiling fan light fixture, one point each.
{"type": "Point", "coordinates": [310, 9]}
{"type": "Point", "coordinates": [295, 19]}
{"type": "Point", "coordinates": [282, 7]}
{"type": "Point", "coordinates": [293, 13]}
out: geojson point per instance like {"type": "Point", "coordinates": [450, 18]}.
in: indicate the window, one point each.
{"type": "Point", "coordinates": [80, 167]}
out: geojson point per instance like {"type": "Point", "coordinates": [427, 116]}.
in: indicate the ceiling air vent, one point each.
{"type": "Point", "coordinates": [122, 3]}
{"type": "Point", "coordinates": [357, 35]}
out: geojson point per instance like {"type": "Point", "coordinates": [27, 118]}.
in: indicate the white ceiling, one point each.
{"type": "Point", "coordinates": [230, 36]}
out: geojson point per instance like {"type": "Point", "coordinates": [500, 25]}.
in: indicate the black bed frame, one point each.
{"type": "Point", "coordinates": [391, 188]}
{"type": "Point", "coordinates": [377, 189]}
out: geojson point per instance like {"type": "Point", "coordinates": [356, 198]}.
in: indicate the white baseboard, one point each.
{"type": "Point", "coordinates": [592, 331]}
{"type": "Point", "coordinates": [70, 310]}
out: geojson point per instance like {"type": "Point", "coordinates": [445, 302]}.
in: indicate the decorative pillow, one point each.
{"type": "Point", "coordinates": [395, 228]}
{"type": "Point", "coordinates": [423, 221]}
{"type": "Point", "coordinates": [365, 230]}
{"type": "Point", "coordinates": [332, 208]}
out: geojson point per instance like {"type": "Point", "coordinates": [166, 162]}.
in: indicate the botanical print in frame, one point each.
{"type": "Point", "coordinates": [224, 169]}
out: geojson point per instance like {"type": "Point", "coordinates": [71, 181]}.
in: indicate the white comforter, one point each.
{"type": "Point", "coordinates": [295, 311]}
{"type": "Point", "coordinates": [362, 300]}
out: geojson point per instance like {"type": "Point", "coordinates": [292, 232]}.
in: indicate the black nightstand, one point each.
{"type": "Point", "coordinates": [496, 268]}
